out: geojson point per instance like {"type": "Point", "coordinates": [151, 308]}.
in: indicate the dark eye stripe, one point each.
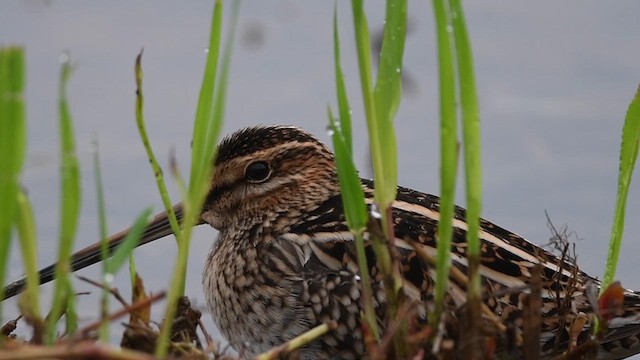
{"type": "Point", "coordinates": [214, 195]}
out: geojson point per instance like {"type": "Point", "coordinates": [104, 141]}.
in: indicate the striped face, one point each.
{"type": "Point", "coordinates": [263, 172]}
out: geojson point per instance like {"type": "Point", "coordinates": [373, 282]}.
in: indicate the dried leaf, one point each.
{"type": "Point", "coordinates": [143, 314]}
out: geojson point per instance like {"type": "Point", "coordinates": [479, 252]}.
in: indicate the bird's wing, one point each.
{"type": "Point", "coordinates": [506, 258]}
{"type": "Point", "coordinates": [506, 262]}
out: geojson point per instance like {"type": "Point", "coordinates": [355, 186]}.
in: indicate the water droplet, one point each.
{"type": "Point", "coordinates": [93, 146]}
{"type": "Point", "coordinates": [449, 28]}
{"type": "Point", "coordinates": [64, 57]}
{"type": "Point", "coordinates": [330, 130]}
{"type": "Point", "coordinates": [108, 278]}
{"type": "Point", "coordinates": [375, 212]}
{"type": "Point", "coordinates": [206, 50]}
{"type": "Point", "coordinates": [398, 70]}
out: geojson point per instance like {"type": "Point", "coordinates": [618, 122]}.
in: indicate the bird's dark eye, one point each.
{"type": "Point", "coordinates": [257, 172]}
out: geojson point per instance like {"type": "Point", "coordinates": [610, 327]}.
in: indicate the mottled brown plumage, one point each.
{"type": "Point", "coordinates": [285, 260]}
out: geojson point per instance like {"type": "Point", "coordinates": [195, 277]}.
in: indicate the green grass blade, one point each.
{"type": "Point", "coordinates": [628, 157]}
{"type": "Point", "coordinates": [351, 190]}
{"type": "Point", "coordinates": [133, 272]}
{"type": "Point", "coordinates": [69, 211]}
{"type": "Point", "coordinates": [12, 144]}
{"type": "Point", "coordinates": [220, 94]}
{"type": "Point", "coordinates": [381, 104]}
{"type": "Point", "coordinates": [29, 248]}
{"type": "Point", "coordinates": [470, 131]}
{"type": "Point", "coordinates": [157, 170]}
{"type": "Point", "coordinates": [103, 332]}
{"type": "Point", "coordinates": [102, 217]}
{"type": "Point", "coordinates": [350, 185]}
{"type": "Point", "coordinates": [343, 102]}
{"type": "Point", "coordinates": [387, 94]}
{"type": "Point", "coordinates": [473, 175]}
{"type": "Point", "coordinates": [71, 314]}
{"type": "Point", "coordinates": [385, 174]}
{"type": "Point", "coordinates": [201, 136]}
{"type": "Point", "coordinates": [355, 208]}
{"type": "Point", "coordinates": [388, 90]}
{"type": "Point", "coordinates": [363, 47]}
{"type": "Point", "coordinates": [207, 125]}
{"type": "Point", "coordinates": [448, 155]}
{"type": "Point", "coordinates": [121, 254]}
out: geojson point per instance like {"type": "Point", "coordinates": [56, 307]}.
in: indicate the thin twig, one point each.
{"type": "Point", "coordinates": [532, 316]}
{"type": "Point", "coordinates": [124, 311]}
{"type": "Point", "coordinates": [10, 326]}
{"type": "Point", "coordinates": [112, 290]}
{"type": "Point", "coordinates": [79, 350]}
{"type": "Point", "coordinates": [207, 337]}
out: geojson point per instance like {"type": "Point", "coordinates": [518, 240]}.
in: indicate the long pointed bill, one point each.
{"type": "Point", "coordinates": [158, 228]}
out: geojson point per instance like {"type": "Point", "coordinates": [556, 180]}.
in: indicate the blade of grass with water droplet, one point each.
{"type": "Point", "coordinates": [473, 173]}
{"type": "Point", "coordinates": [448, 155]}
{"type": "Point", "coordinates": [628, 156]}
{"type": "Point", "coordinates": [207, 125]}
{"type": "Point", "coordinates": [157, 169]}
{"type": "Point", "coordinates": [470, 130]}
{"type": "Point", "coordinates": [12, 144]}
{"type": "Point", "coordinates": [344, 110]}
{"type": "Point", "coordinates": [63, 296]}
{"type": "Point", "coordinates": [103, 332]}
{"type": "Point", "coordinates": [381, 104]}
{"type": "Point", "coordinates": [29, 248]}
{"type": "Point", "coordinates": [387, 94]}
{"type": "Point", "coordinates": [355, 209]}
{"type": "Point", "coordinates": [351, 190]}
{"type": "Point", "coordinates": [121, 254]}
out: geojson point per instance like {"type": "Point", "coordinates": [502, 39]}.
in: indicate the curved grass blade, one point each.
{"type": "Point", "coordinates": [387, 95]}
{"type": "Point", "coordinates": [103, 332]}
{"type": "Point", "coordinates": [157, 170]}
{"type": "Point", "coordinates": [355, 208]}
{"type": "Point", "coordinates": [628, 157]}
{"type": "Point", "coordinates": [208, 123]}
{"type": "Point", "coordinates": [30, 300]}
{"type": "Point", "coordinates": [63, 296]}
{"type": "Point", "coordinates": [473, 175]}
{"type": "Point", "coordinates": [381, 104]}
{"type": "Point", "coordinates": [448, 155]}
{"type": "Point", "coordinates": [12, 144]}
{"type": "Point", "coordinates": [121, 254]}
{"type": "Point", "coordinates": [344, 110]}
{"type": "Point", "coordinates": [470, 130]}
{"type": "Point", "coordinates": [351, 190]}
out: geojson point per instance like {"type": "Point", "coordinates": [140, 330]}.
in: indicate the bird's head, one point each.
{"type": "Point", "coordinates": [268, 173]}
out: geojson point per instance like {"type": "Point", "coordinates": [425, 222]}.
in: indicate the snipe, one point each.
{"type": "Point", "coordinates": [285, 260]}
